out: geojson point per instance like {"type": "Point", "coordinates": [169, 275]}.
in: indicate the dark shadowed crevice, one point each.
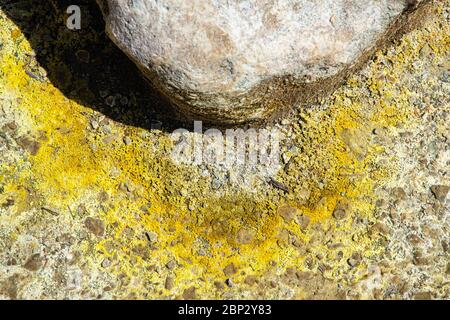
{"type": "Point", "coordinates": [86, 66]}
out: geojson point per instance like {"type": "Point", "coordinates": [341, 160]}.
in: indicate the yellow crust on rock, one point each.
{"type": "Point", "coordinates": [156, 212]}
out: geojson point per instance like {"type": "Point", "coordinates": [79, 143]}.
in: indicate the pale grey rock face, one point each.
{"type": "Point", "coordinates": [237, 61]}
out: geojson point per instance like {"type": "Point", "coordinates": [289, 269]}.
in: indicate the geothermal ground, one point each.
{"type": "Point", "coordinates": [93, 205]}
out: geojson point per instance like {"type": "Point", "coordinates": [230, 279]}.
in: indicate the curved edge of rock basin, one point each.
{"type": "Point", "coordinates": [273, 98]}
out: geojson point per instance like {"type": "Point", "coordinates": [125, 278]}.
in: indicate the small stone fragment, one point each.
{"type": "Point", "coordinates": [219, 285]}
{"type": "Point", "coordinates": [29, 145]}
{"type": "Point", "coordinates": [94, 124]}
{"type": "Point", "coordinates": [399, 193]}
{"type": "Point", "coordinates": [12, 126]}
{"type": "Point", "coordinates": [339, 213]}
{"type": "Point", "coordinates": [250, 280]}
{"type": "Point", "coordinates": [230, 269]}
{"type": "Point", "coordinates": [106, 263]}
{"type": "Point", "coordinates": [34, 263]}
{"type": "Point", "coordinates": [440, 192]}
{"type": "Point", "coordinates": [127, 140]}
{"type": "Point", "coordinates": [171, 265]}
{"type": "Point", "coordinates": [423, 296]}
{"type": "Point", "coordinates": [303, 221]}
{"type": "Point", "coordinates": [414, 239]}
{"type": "Point", "coordinates": [381, 228]}
{"type": "Point", "coordinates": [169, 283]}
{"type": "Point", "coordinates": [287, 213]}
{"type": "Point", "coordinates": [244, 236]}
{"type": "Point", "coordinates": [419, 259]}
{"type": "Point", "coordinates": [189, 294]}
{"type": "Point", "coordinates": [95, 226]}
{"type": "Point", "coordinates": [354, 260]}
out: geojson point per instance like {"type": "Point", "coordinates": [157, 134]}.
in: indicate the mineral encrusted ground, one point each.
{"type": "Point", "coordinates": [92, 205]}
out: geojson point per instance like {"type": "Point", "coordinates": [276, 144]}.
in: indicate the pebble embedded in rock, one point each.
{"type": "Point", "coordinates": [250, 280]}
{"type": "Point", "coordinates": [423, 296]}
{"type": "Point", "coordinates": [169, 283]}
{"type": "Point", "coordinates": [381, 228]}
{"type": "Point", "coordinates": [399, 193]}
{"type": "Point", "coordinates": [95, 226]}
{"type": "Point", "coordinates": [106, 263]}
{"type": "Point", "coordinates": [171, 265]}
{"type": "Point", "coordinates": [94, 124]}
{"type": "Point", "coordinates": [339, 213]}
{"type": "Point", "coordinates": [190, 293]}
{"type": "Point", "coordinates": [287, 213]}
{"type": "Point", "coordinates": [219, 285]}
{"type": "Point", "coordinates": [303, 221]}
{"type": "Point", "coordinates": [244, 236]}
{"type": "Point", "coordinates": [12, 126]}
{"type": "Point", "coordinates": [29, 144]}
{"type": "Point", "coordinates": [440, 192]}
{"type": "Point", "coordinates": [229, 270]}
{"type": "Point", "coordinates": [34, 263]}
{"type": "Point", "coordinates": [354, 260]}
{"type": "Point", "coordinates": [127, 141]}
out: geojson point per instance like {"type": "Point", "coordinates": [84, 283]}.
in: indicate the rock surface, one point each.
{"type": "Point", "coordinates": [169, 231]}
{"type": "Point", "coordinates": [250, 60]}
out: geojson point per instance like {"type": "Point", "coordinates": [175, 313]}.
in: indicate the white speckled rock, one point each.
{"type": "Point", "coordinates": [238, 61]}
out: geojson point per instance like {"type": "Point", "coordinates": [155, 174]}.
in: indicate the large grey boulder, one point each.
{"type": "Point", "coordinates": [248, 61]}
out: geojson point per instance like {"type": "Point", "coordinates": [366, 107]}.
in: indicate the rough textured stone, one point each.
{"type": "Point", "coordinates": [45, 200]}
{"type": "Point", "coordinates": [231, 62]}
